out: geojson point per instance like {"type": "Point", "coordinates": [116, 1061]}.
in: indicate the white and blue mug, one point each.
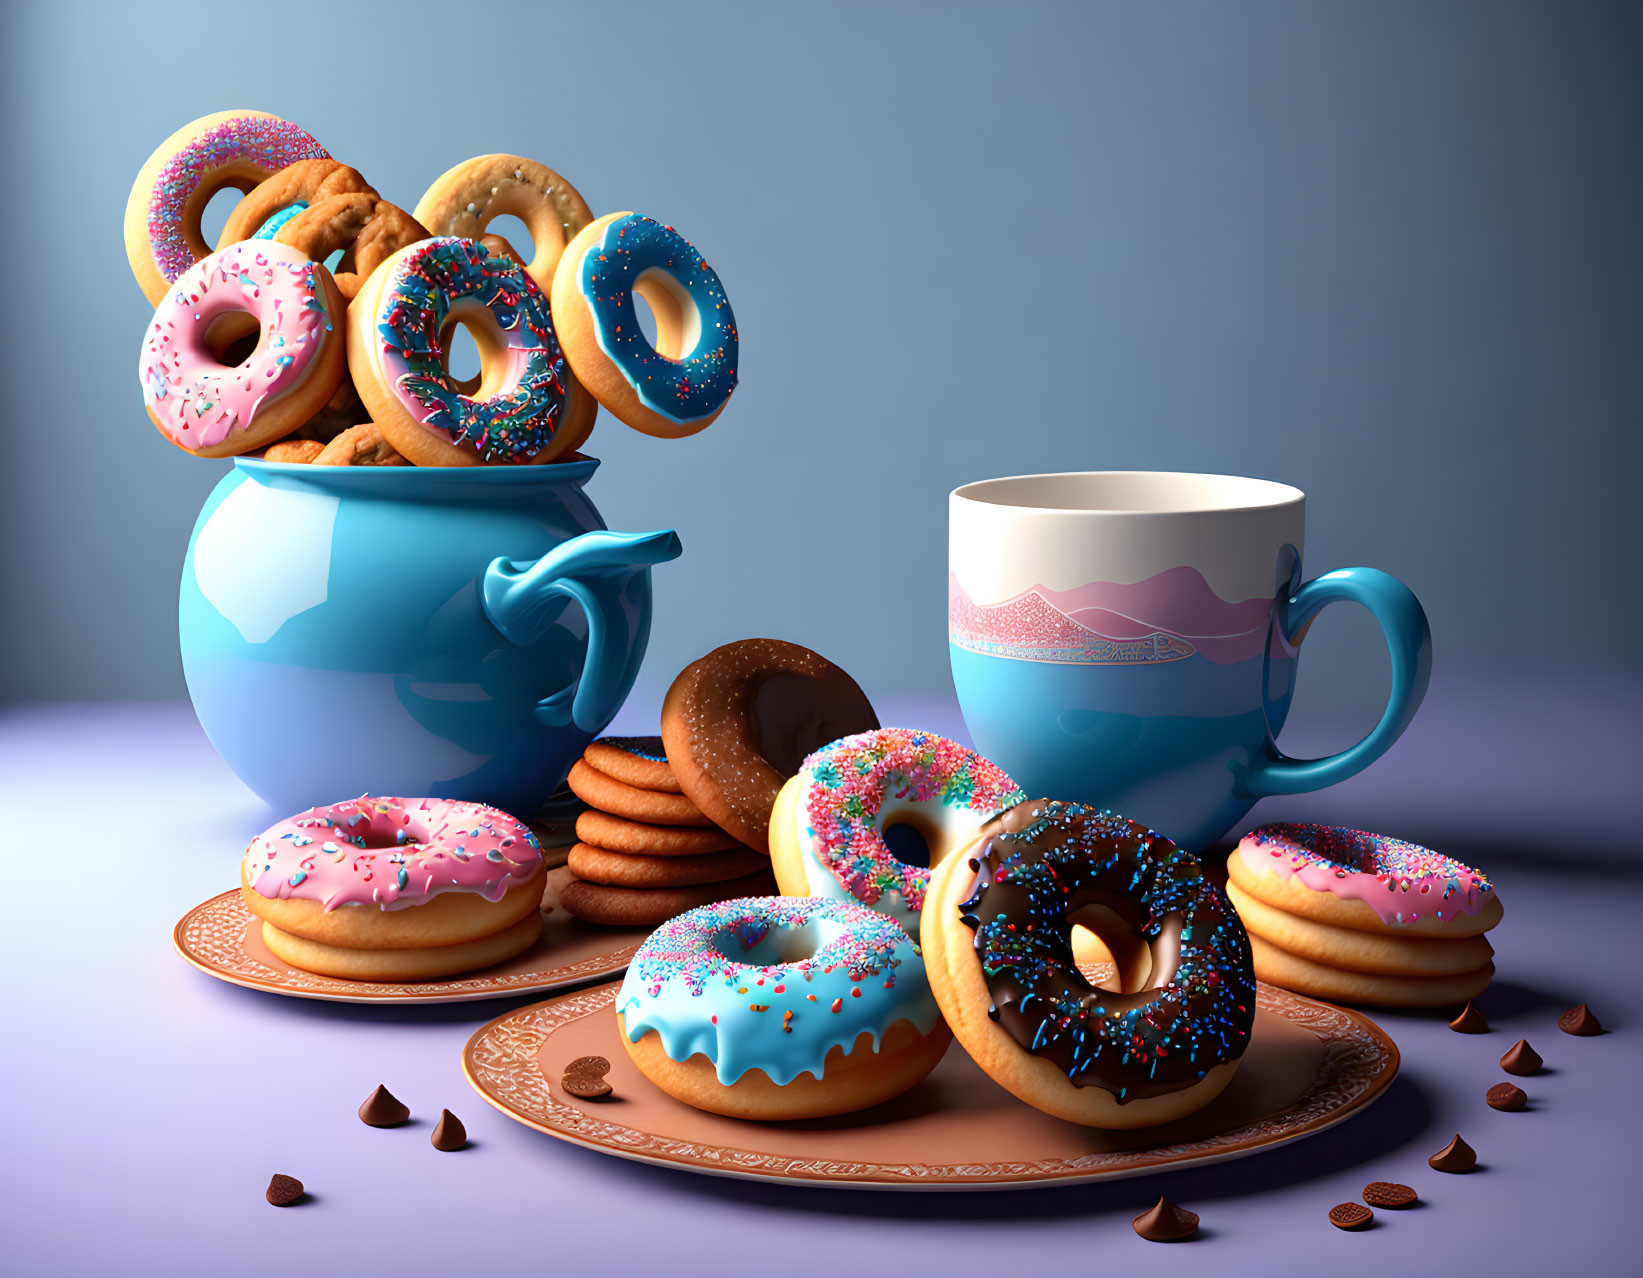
{"type": "Point", "coordinates": [1128, 639]}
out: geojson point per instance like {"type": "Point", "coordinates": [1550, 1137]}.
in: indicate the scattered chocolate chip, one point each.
{"type": "Point", "coordinates": [284, 1190]}
{"type": "Point", "coordinates": [1507, 1096]}
{"type": "Point", "coordinates": [1470, 1021]}
{"type": "Point", "coordinates": [383, 1109]}
{"type": "Point", "coordinates": [1388, 1193]}
{"type": "Point", "coordinates": [1350, 1216]}
{"type": "Point", "coordinates": [584, 1078]}
{"type": "Point", "coordinates": [1456, 1156]}
{"type": "Point", "coordinates": [449, 1133]}
{"type": "Point", "coordinates": [1521, 1059]}
{"type": "Point", "coordinates": [1166, 1222]}
{"type": "Point", "coordinates": [1580, 1022]}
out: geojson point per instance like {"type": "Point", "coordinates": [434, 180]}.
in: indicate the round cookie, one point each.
{"type": "Point", "coordinates": [1276, 966]}
{"type": "Point", "coordinates": [624, 869]}
{"type": "Point", "coordinates": [618, 834]}
{"type": "Point", "coordinates": [421, 964]}
{"type": "Point", "coordinates": [608, 794]}
{"type": "Point", "coordinates": [635, 761]}
{"type": "Point", "coordinates": [646, 907]}
{"type": "Point", "coordinates": [741, 720]}
{"type": "Point", "coordinates": [1356, 951]}
{"type": "Point", "coordinates": [1355, 879]}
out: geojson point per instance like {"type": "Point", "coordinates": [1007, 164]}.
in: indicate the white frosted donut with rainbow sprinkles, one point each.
{"type": "Point", "coordinates": [378, 886]}
{"type": "Point", "coordinates": [780, 1008]}
{"type": "Point", "coordinates": [230, 148]}
{"type": "Point", "coordinates": [827, 828]}
{"type": "Point", "coordinates": [1368, 882]}
{"type": "Point", "coordinates": [212, 409]}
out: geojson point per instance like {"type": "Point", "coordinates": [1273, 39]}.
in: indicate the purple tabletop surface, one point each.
{"type": "Point", "coordinates": [147, 1105]}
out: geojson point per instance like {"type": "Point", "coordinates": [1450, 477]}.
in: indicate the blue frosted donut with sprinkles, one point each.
{"type": "Point", "coordinates": [780, 1008]}
{"type": "Point", "coordinates": [675, 386]}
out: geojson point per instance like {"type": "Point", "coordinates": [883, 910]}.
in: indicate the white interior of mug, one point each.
{"type": "Point", "coordinates": [1159, 492]}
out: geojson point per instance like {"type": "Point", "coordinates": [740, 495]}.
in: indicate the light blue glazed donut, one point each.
{"type": "Point", "coordinates": [774, 983]}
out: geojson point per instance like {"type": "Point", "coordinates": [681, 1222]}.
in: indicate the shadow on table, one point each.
{"type": "Point", "coordinates": [1396, 1119]}
{"type": "Point", "coordinates": [472, 1014]}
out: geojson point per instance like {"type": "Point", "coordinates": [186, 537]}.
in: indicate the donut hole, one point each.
{"type": "Point", "coordinates": [908, 842]}
{"type": "Point", "coordinates": [1114, 958]}
{"type": "Point", "coordinates": [775, 946]}
{"type": "Point", "coordinates": [518, 236]}
{"type": "Point", "coordinates": [233, 338]}
{"type": "Point", "coordinates": [214, 213]}
{"type": "Point", "coordinates": [459, 354]}
{"type": "Point", "coordinates": [675, 325]}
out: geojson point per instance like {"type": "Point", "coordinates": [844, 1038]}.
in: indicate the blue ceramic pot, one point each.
{"type": "Point", "coordinates": [460, 632]}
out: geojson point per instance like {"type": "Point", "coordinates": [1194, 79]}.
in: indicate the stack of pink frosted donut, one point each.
{"type": "Point", "coordinates": [318, 329]}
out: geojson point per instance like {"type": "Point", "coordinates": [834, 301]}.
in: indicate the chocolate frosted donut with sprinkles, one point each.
{"type": "Point", "coordinates": [780, 1008]}
{"type": "Point", "coordinates": [997, 930]}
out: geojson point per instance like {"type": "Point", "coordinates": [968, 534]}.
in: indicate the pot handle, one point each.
{"type": "Point", "coordinates": [598, 570]}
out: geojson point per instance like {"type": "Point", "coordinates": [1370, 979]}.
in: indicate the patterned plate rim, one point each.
{"type": "Point", "coordinates": [499, 1061]}
{"type": "Point", "coordinates": [211, 938]}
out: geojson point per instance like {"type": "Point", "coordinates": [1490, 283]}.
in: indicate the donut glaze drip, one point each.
{"type": "Point", "coordinates": [852, 785]}
{"type": "Point", "coordinates": [689, 983]}
{"type": "Point", "coordinates": [199, 401]}
{"type": "Point", "coordinates": [429, 282]}
{"type": "Point", "coordinates": [646, 748]}
{"type": "Point", "coordinates": [1400, 881]}
{"type": "Point", "coordinates": [1042, 862]}
{"type": "Point", "coordinates": [392, 853]}
{"type": "Point", "coordinates": [261, 140]}
{"type": "Point", "coordinates": [701, 379]}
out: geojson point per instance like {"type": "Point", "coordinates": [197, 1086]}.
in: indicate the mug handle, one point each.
{"type": "Point", "coordinates": [595, 569]}
{"type": "Point", "coordinates": [1408, 643]}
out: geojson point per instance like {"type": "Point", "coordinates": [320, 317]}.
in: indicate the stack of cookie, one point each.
{"type": "Point", "coordinates": [644, 851]}
{"type": "Point", "coordinates": [1357, 917]}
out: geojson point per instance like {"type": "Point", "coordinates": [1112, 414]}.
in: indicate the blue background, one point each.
{"type": "Point", "coordinates": [1387, 252]}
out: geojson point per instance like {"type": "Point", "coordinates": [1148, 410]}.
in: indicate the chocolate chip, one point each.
{"type": "Point", "coordinates": [284, 1190]}
{"type": "Point", "coordinates": [383, 1109]}
{"type": "Point", "coordinates": [1456, 1156]}
{"type": "Point", "coordinates": [1580, 1022]}
{"type": "Point", "coordinates": [1388, 1193]}
{"type": "Point", "coordinates": [449, 1133]}
{"type": "Point", "coordinates": [1507, 1096]}
{"type": "Point", "coordinates": [1521, 1059]}
{"type": "Point", "coordinates": [1350, 1216]}
{"type": "Point", "coordinates": [1470, 1021]}
{"type": "Point", "coordinates": [584, 1078]}
{"type": "Point", "coordinates": [1166, 1222]}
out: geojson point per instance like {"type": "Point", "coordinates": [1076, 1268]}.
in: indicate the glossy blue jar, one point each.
{"type": "Point", "coordinates": [452, 631]}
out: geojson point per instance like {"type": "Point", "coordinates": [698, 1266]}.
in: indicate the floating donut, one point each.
{"type": "Point", "coordinates": [827, 829]}
{"type": "Point", "coordinates": [463, 200]}
{"type": "Point", "coordinates": [282, 196]}
{"type": "Point", "coordinates": [212, 409]}
{"type": "Point", "coordinates": [780, 1008]}
{"type": "Point", "coordinates": [394, 889]}
{"type": "Point", "coordinates": [677, 386]}
{"type": "Point", "coordinates": [231, 148]}
{"type": "Point", "coordinates": [1362, 918]}
{"type": "Point", "coordinates": [997, 933]}
{"type": "Point", "coordinates": [396, 352]}
{"type": "Point", "coordinates": [741, 720]}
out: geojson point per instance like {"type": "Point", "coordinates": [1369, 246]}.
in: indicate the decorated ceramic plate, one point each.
{"type": "Point", "coordinates": [223, 938]}
{"type": "Point", "coordinates": [1309, 1066]}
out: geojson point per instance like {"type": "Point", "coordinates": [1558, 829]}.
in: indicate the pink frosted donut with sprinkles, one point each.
{"type": "Point", "coordinates": [212, 409]}
{"type": "Point", "coordinates": [1369, 882]}
{"type": "Point", "coordinates": [387, 879]}
{"type": "Point", "coordinates": [236, 149]}
{"type": "Point", "coordinates": [827, 830]}
{"type": "Point", "coordinates": [780, 1008]}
